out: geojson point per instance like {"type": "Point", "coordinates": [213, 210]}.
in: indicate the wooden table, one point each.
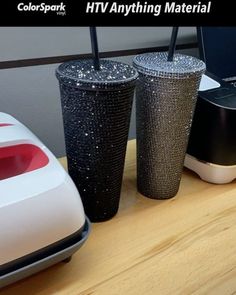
{"type": "Point", "coordinates": [185, 245]}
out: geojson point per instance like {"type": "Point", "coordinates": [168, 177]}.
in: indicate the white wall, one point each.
{"type": "Point", "coordinates": [23, 43]}
{"type": "Point", "coordinates": [31, 93]}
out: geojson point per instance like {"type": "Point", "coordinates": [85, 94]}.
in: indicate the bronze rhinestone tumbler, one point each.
{"type": "Point", "coordinates": [96, 106]}
{"type": "Point", "coordinates": [165, 101]}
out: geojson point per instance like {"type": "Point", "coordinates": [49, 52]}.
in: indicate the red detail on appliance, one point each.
{"type": "Point", "coordinates": [5, 124]}
{"type": "Point", "coordinates": [20, 159]}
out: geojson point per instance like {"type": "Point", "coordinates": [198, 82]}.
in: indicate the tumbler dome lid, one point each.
{"type": "Point", "coordinates": [156, 64]}
{"type": "Point", "coordinates": [81, 73]}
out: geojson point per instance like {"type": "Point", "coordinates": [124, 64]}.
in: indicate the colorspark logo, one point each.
{"type": "Point", "coordinates": [59, 9]}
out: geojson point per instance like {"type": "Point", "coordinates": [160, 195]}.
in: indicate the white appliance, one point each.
{"type": "Point", "coordinates": [41, 214]}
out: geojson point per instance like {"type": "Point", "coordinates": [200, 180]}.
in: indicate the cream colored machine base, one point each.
{"type": "Point", "coordinates": [209, 172]}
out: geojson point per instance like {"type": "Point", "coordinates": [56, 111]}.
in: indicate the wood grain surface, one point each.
{"type": "Point", "coordinates": [185, 245]}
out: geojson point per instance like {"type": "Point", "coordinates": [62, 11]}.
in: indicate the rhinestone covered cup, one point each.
{"type": "Point", "coordinates": [165, 101]}
{"type": "Point", "coordinates": [96, 107]}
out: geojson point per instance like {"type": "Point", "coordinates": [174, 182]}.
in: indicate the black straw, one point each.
{"type": "Point", "coordinates": [172, 43]}
{"type": "Point", "coordinates": [94, 45]}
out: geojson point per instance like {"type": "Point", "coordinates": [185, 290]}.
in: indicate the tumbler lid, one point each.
{"type": "Point", "coordinates": [81, 74]}
{"type": "Point", "coordinates": [156, 64]}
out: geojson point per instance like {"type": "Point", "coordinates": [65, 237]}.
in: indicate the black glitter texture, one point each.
{"type": "Point", "coordinates": [165, 101]}
{"type": "Point", "coordinates": [96, 117]}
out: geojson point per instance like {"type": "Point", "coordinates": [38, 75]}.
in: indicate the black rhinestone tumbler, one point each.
{"type": "Point", "coordinates": [96, 106]}
{"type": "Point", "coordinates": [165, 101]}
